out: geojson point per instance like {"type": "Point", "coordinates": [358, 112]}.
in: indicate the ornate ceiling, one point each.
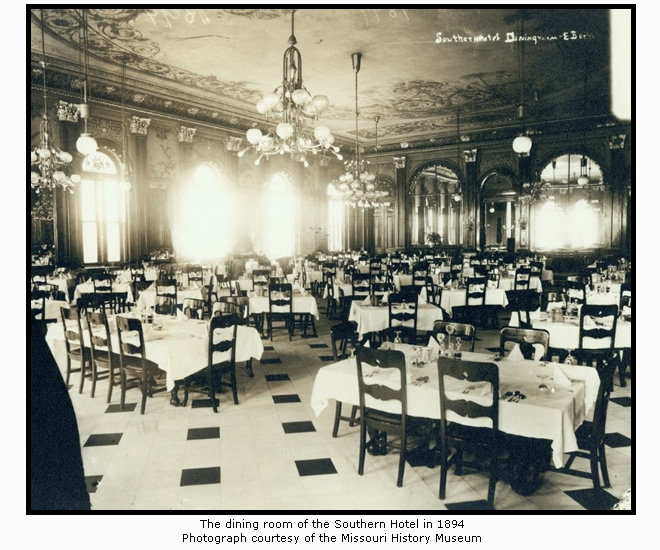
{"type": "Point", "coordinates": [429, 74]}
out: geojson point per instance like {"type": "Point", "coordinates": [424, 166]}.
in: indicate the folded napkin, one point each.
{"type": "Point", "coordinates": [559, 378]}
{"type": "Point", "coordinates": [528, 351]}
{"type": "Point", "coordinates": [589, 322]}
{"type": "Point", "coordinates": [180, 314]}
{"type": "Point", "coordinates": [433, 345]}
{"type": "Point", "coordinates": [366, 301]}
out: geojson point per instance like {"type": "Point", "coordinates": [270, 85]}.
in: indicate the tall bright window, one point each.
{"type": "Point", "coordinates": [103, 211]}
{"type": "Point", "coordinates": [279, 217]}
{"type": "Point", "coordinates": [204, 227]}
{"type": "Point", "coordinates": [335, 220]}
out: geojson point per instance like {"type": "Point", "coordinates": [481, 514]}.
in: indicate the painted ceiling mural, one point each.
{"type": "Point", "coordinates": [422, 69]}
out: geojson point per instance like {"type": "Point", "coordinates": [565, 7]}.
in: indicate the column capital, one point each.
{"type": "Point", "coordinates": [67, 112]}
{"type": "Point", "coordinates": [399, 162]}
{"type": "Point", "coordinates": [139, 125]}
{"type": "Point", "coordinates": [470, 155]}
{"type": "Point", "coordinates": [186, 134]}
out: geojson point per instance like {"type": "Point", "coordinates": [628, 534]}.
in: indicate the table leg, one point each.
{"type": "Point", "coordinates": [248, 367]}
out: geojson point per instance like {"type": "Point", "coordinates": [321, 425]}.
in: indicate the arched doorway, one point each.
{"type": "Point", "coordinates": [497, 210]}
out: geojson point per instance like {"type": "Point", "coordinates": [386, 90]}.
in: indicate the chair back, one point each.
{"type": "Point", "coordinates": [102, 282]}
{"type": "Point", "coordinates": [379, 289]}
{"type": "Point", "coordinates": [38, 306]}
{"type": "Point", "coordinates": [536, 269]}
{"type": "Point", "coordinates": [166, 296]}
{"type": "Point", "coordinates": [222, 339]}
{"type": "Point", "coordinates": [361, 284]}
{"type": "Point", "coordinates": [456, 269]}
{"type": "Point", "coordinates": [329, 271]}
{"type": "Point", "coordinates": [240, 305]}
{"type": "Point", "coordinates": [375, 267]}
{"type": "Point", "coordinates": [597, 326]}
{"type": "Point", "coordinates": [465, 331]}
{"type": "Point", "coordinates": [99, 334]}
{"type": "Point", "coordinates": [521, 278]}
{"type": "Point", "coordinates": [402, 310]}
{"type": "Point", "coordinates": [625, 299]}
{"type": "Point", "coordinates": [475, 291]}
{"type": "Point", "coordinates": [195, 275]}
{"type": "Point", "coordinates": [522, 303]}
{"type": "Point", "coordinates": [132, 351]}
{"type": "Point", "coordinates": [371, 393]}
{"type": "Point", "coordinates": [260, 278]}
{"type": "Point", "coordinates": [280, 298]}
{"type": "Point", "coordinates": [73, 334]}
{"type": "Point", "coordinates": [576, 291]}
{"type": "Point", "coordinates": [469, 372]}
{"type": "Point", "coordinates": [419, 274]}
{"type": "Point", "coordinates": [525, 338]}
{"type": "Point", "coordinates": [193, 308]}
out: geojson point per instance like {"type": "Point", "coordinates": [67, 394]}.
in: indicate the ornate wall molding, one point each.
{"type": "Point", "coordinates": [186, 134]}
{"type": "Point", "coordinates": [105, 128]}
{"type": "Point", "coordinates": [399, 162]}
{"type": "Point", "coordinates": [140, 125]}
{"type": "Point", "coordinates": [618, 141]}
{"type": "Point", "coordinates": [67, 112]}
{"type": "Point", "coordinates": [470, 155]}
{"type": "Point", "coordinates": [491, 160]}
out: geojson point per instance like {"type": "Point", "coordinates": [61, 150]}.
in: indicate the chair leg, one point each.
{"type": "Point", "coordinates": [603, 466]}
{"type": "Point", "coordinates": [212, 391]}
{"type": "Point", "coordinates": [491, 487]}
{"type": "Point", "coordinates": [363, 447]}
{"type": "Point", "coordinates": [82, 372]}
{"type": "Point", "coordinates": [93, 378]}
{"type": "Point", "coordinates": [111, 382]}
{"type": "Point", "coordinates": [443, 473]}
{"type": "Point", "coordinates": [234, 389]}
{"type": "Point", "coordinates": [402, 459]}
{"type": "Point", "coordinates": [594, 463]}
{"type": "Point", "coordinates": [335, 427]}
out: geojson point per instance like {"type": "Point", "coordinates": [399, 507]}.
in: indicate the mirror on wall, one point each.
{"type": "Point", "coordinates": [437, 205]}
{"type": "Point", "coordinates": [498, 210]}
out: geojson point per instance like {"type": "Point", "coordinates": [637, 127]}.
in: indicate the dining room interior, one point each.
{"type": "Point", "coordinates": [401, 280]}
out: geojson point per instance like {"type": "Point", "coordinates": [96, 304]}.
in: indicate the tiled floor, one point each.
{"type": "Point", "coordinates": [272, 452]}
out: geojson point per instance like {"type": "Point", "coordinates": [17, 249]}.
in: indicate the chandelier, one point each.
{"type": "Point", "coordinates": [522, 144]}
{"type": "Point", "coordinates": [86, 144]}
{"type": "Point", "coordinates": [47, 160]}
{"type": "Point", "coordinates": [357, 186]}
{"type": "Point", "coordinates": [292, 104]}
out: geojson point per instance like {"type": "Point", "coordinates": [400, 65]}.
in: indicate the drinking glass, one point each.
{"type": "Point", "coordinates": [397, 338]}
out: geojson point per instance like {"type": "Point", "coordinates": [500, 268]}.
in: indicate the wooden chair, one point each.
{"type": "Point", "coordinates": [75, 345]}
{"type": "Point", "coordinates": [260, 278]}
{"type": "Point", "coordinates": [195, 275]}
{"type": "Point", "coordinates": [402, 316]}
{"type": "Point", "coordinates": [193, 308]}
{"type": "Point", "coordinates": [482, 442]}
{"type": "Point", "coordinates": [525, 338]}
{"type": "Point", "coordinates": [522, 303]}
{"type": "Point", "coordinates": [361, 286]}
{"type": "Point", "coordinates": [38, 308]}
{"type": "Point", "coordinates": [590, 434]}
{"type": "Point", "coordinates": [464, 331]}
{"type": "Point", "coordinates": [166, 296]}
{"type": "Point", "coordinates": [575, 292]}
{"type": "Point", "coordinates": [341, 335]}
{"type": "Point", "coordinates": [136, 370]}
{"type": "Point", "coordinates": [221, 341]}
{"type": "Point", "coordinates": [105, 363]}
{"type": "Point", "coordinates": [419, 273]}
{"type": "Point", "coordinates": [597, 333]}
{"type": "Point", "coordinates": [385, 429]}
{"type": "Point", "coordinates": [521, 278]}
{"type": "Point", "coordinates": [331, 301]}
{"type": "Point", "coordinates": [280, 307]}
{"type": "Point", "coordinates": [474, 311]}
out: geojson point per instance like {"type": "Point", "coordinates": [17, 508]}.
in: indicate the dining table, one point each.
{"type": "Point", "coordinates": [179, 347]}
{"type": "Point", "coordinates": [88, 288]}
{"type": "Point", "coordinates": [53, 311]}
{"type": "Point", "coordinates": [301, 304]}
{"type": "Point", "coordinates": [558, 398]}
{"type": "Point", "coordinates": [375, 318]}
{"type": "Point", "coordinates": [455, 297]}
{"type": "Point", "coordinates": [565, 334]}
{"type": "Point", "coordinates": [147, 297]}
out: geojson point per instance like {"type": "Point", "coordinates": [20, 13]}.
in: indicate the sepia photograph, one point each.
{"type": "Point", "coordinates": [394, 278]}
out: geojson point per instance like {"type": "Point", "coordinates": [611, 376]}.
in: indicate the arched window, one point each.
{"type": "Point", "coordinates": [571, 212]}
{"type": "Point", "coordinates": [437, 205]}
{"type": "Point", "coordinates": [103, 210]}
{"type": "Point", "coordinates": [204, 227]}
{"type": "Point", "coordinates": [335, 219]}
{"type": "Point", "coordinates": [280, 217]}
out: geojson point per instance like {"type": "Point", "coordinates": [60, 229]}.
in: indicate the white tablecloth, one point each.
{"type": "Point", "coordinates": [506, 283]}
{"type": "Point", "coordinates": [453, 298]}
{"type": "Point", "coordinates": [88, 288]}
{"type": "Point", "coordinates": [553, 416]}
{"type": "Point", "coordinates": [52, 308]}
{"type": "Point", "coordinates": [148, 297]}
{"type": "Point", "coordinates": [180, 348]}
{"type": "Point", "coordinates": [566, 335]}
{"type": "Point", "coordinates": [376, 318]}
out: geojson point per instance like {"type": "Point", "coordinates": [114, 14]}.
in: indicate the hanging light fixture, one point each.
{"type": "Point", "coordinates": [522, 144]}
{"type": "Point", "coordinates": [292, 104]}
{"type": "Point", "coordinates": [86, 144]}
{"type": "Point", "coordinates": [458, 197]}
{"type": "Point", "coordinates": [583, 179]}
{"type": "Point", "coordinates": [47, 160]}
{"type": "Point", "coordinates": [357, 186]}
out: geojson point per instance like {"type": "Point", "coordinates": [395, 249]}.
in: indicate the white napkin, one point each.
{"type": "Point", "coordinates": [516, 354]}
{"type": "Point", "coordinates": [433, 344]}
{"type": "Point", "coordinates": [559, 378]}
{"type": "Point", "coordinates": [366, 301]}
{"type": "Point", "coordinates": [180, 314]}
{"type": "Point", "coordinates": [589, 322]}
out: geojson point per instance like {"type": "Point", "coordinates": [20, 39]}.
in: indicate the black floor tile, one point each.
{"type": "Point", "coordinates": [327, 358]}
{"type": "Point", "coordinates": [203, 433]}
{"type": "Point", "coordinates": [318, 346]}
{"type": "Point", "coordinates": [97, 440]}
{"type": "Point", "coordinates": [472, 505]}
{"type": "Point", "coordinates": [203, 403]}
{"type": "Point", "coordinates": [288, 398]}
{"type": "Point", "coordinates": [298, 427]}
{"type": "Point", "coordinates": [271, 361]}
{"type": "Point", "coordinates": [92, 482]}
{"type": "Point", "coordinates": [593, 499]}
{"type": "Point", "coordinates": [315, 467]}
{"type": "Point", "coordinates": [128, 407]}
{"type": "Point", "coordinates": [269, 348]}
{"type": "Point", "coordinates": [276, 377]}
{"type": "Point", "coordinates": [623, 401]}
{"type": "Point", "coordinates": [200, 476]}
{"type": "Point", "coordinates": [616, 440]}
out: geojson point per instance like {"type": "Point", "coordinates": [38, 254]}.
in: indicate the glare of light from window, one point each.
{"type": "Point", "coordinates": [621, 56]}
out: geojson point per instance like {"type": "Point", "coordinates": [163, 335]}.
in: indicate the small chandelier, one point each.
{"type": "Point", "coordinates": [47, 160]}
{"type": "Point", "coordinates": [86, 144]}
{"type": "Point", "coordinates": [292, 104]}
{"type": "Point", "coordinates": [522, 144]}
{"type": "Point", "coordinates": [357, 186]}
